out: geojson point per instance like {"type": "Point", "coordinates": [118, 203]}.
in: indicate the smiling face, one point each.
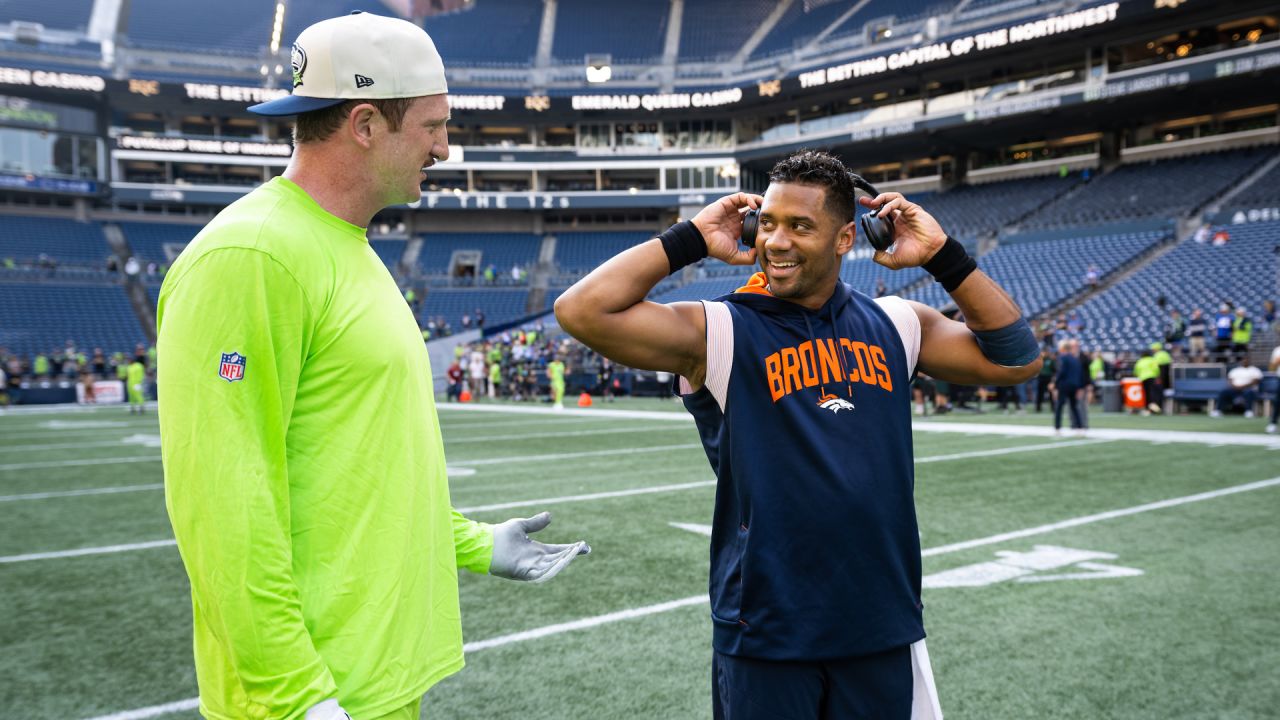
{"type": "Point", "coordinates": [800, 243]}
{"type": "Point", "coordinates": [404, 155]}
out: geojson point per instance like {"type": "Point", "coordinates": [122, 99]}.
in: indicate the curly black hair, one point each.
{"type": "Point", "coordinates": [814, 167]}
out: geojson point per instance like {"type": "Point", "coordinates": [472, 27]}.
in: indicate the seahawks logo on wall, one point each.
{"type": "Point", "coordinates": [298, 61]}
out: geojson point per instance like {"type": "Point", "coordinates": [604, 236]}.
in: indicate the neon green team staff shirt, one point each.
{"type": "Point", "coordinates": [304, 469]}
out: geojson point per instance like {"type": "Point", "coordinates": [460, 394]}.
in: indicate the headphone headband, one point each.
{"type": "Point", "coordinates": [861, 183]}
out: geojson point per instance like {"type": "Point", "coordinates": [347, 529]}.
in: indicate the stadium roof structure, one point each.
{"type": "Point", "coordinates": [544, 46]}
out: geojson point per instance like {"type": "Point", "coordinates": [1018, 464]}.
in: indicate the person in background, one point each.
{"type": "Point", "coordinates": [1165, 362]}
{"type": "Point", "coordinates": [1222, 332]}
{"type": "Point", "coordinates": [136, 384]}
{"type": "Point", "coordinates": [1242, 383]}
{"type": "Point", "coordinates": [1147, 370]}
{"type": "Point", "coordinates": [1241, 332]}
{"type": "Point", "coordinates": [1197, 330]}
{"type": "Point", "coordinates": [1175, 331]}
{"type": "Point", "coordinates": [1044, 381]}
{"type": "Point", "coordinates": [454, 374]}
{"type": "Point", "coordinates": [1068, 386]}
{"type": "Point", "coordinates": [555, 374]}
{"type": "Point", "coordinates": [1274, 366]}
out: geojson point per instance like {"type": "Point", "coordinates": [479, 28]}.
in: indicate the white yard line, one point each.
{"type": "Point", "coordinates": [1160, 436]}
{"type": "Point", "coordinates": [573, 455]}
{"type": "Point", "coordinates": [591, 496]}
{"type": "Point", "coordinates": [75, 463]}
{"type": "Point", "coordinates": [1171, 436]}
{"type": "Point", "coordinates": [1007, 451]}
{"type": "Point", "coordinates": [1099, 517]}
{"type": "Point", "coordinates": [78, 493]}
{"type": "Point", "coordinates": [632, 613]}
{"type": "Point", "coordinates": [67, 446]}
{"type": "Point", "coordinates": [87, 551]}
{"type": "Point", "coordinates": [572, 433]}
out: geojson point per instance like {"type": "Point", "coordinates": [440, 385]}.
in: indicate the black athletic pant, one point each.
{"type": "Point", "coordinates": [1042, 390]}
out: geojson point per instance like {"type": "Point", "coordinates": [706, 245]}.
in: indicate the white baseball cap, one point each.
{"type": "Point", "coordinates": [360, 56]}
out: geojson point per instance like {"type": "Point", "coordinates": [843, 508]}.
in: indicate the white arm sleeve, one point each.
{"type": "Point", "coordinates": [908, 325]}
{"type": "Point", "coordinates": [719, 352]}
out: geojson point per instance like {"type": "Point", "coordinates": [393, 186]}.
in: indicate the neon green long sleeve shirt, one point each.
{"type": "Point", "coordinates": [304, 468]}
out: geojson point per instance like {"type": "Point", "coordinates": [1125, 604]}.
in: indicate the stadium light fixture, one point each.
{"type": "Point", "coordinates": [277, 28]}
{"type": "Point", "coordinates": [599, 68]}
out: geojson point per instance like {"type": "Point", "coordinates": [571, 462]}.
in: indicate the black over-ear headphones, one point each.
{"type": "Point", "coordinates": [877, 230]}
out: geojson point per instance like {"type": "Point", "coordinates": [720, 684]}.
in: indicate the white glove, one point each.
{"type": "Point", "coordinates": [517, 557]}
{"type": "Point", "coordinates": [327, 710]}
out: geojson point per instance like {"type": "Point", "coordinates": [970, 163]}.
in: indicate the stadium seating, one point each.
{"type": "Point", "coordinates": [501, 34]}
{"type": "Point", "coordinates": [502, 250]}
{"type": "Point", "coordinates": [798, 25]}
{"type": "Point", "coordinates": [388, 250]}
{"type": "Point", "coordinates": [1192, 275]}
{"type": "Point", "coordinates": [1042, 274]}
{"type": "Point", "coordinates": [498, 305]}
{"type": "Point", "coordinates": [582, 251]}
{"type": "Point", "coordinates": [148, 240]}
{"type": "Point", "coordinates": [1166, 188]}
{"type": "Point", "coordinates": [634, 31]}
{"type": "Point", "coordinates": [230, 26]}
{"type": "Point", "coordinates": [68, 242]}
{"type": "Point", "coordinates": [38, 317]}
{"type": "Point", "coordinates": [716, 29]}
{"type": "Point", "coordinates": [1264, 192]}
{"type": "Point", "coordinates": [61, 15]}
{"type": "Point", "coordinates": [971, 211]}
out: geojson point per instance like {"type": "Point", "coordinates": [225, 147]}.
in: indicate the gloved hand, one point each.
{"type": "Point", "coordinates": [517, 557]}
{"type": "Point", "coordinates": [327, 710]}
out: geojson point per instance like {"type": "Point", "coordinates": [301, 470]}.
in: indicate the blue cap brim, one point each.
{"type": "Point", "coordinates": [292, 105]}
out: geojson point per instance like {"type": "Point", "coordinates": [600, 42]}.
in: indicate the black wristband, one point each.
{"type": "Point", "coordinates": [683, 244]}
{"type": "Point", "coordinates": [950, 265]}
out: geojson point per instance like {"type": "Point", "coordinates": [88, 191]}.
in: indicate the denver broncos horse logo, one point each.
{"type": "Point", "coordinates": [834, 404]}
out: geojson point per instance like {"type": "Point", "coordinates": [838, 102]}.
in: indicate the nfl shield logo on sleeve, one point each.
{"type": "Point", "coordinates": [232, 367]}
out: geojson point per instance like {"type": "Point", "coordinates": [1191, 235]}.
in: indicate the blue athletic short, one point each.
{"type": "Point", "coordinates": [875, 686]}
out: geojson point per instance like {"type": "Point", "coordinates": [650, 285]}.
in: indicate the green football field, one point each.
{"type": "Point", "coordinates": [1131, 573]}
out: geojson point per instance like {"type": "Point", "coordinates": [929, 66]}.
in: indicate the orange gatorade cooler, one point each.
{"type": "Point", "coordinates": [1134, 397]}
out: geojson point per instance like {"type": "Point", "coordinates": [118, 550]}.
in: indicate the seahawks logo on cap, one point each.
{"type": "Point", "coordinates": [298, 61]}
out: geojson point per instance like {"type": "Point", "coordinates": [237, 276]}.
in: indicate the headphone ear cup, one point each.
{"type": "Point", "coordinates": [750, 226]}
{"type": "Point", "coordinates": [879, 231]}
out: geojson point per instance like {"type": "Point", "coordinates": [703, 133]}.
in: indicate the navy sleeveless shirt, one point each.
{"type": "Point", "coordinates": [815, 552]}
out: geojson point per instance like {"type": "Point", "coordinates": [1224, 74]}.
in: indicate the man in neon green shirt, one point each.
{"type": "Point", "coordinates": [304, 467]}
{"type": "Point", "coordinates": [1147, 370]}
{"type": "Point", "coordinates": [135, 383]}
{"type": "Point", "coordinates": [555, 373]}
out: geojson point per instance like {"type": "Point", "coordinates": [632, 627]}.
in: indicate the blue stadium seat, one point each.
{"type": "Point", "coordinates": [632, 32]}
{"type": "Point", "coordinates": [582, 251]}
{"type": "Point", "coordinates": [1166, 188]}
{"type": "Point", "coordinates": [69, 242]}
{"type": "Point", "coordinates": [148, 240]}
{"type": "Point", "coordinates": [1192, 275]}
{"type": "Point", "coordinates": [38, 317]}
{"type": "Point", "coordinates": [502, 250]}
{"type": "Point", "coordinates": [61, 15]}
{"type": "Point", "coordinates": [1042, 274]}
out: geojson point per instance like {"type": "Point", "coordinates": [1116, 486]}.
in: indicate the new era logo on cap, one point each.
{"type": "Point", "coordinates": [362, 81]}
